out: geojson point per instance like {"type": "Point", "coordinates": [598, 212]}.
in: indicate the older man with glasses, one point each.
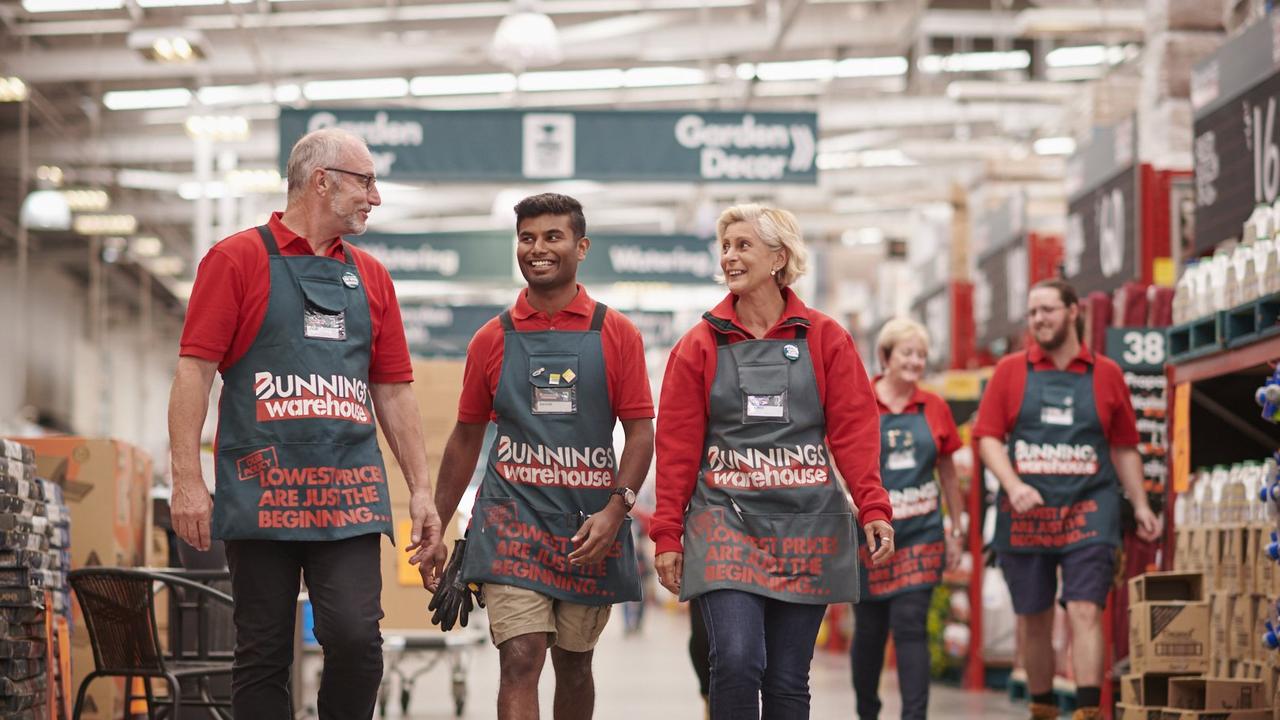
{"type": "Point", "coordinates": [306, 331]}
{"type": "Point", "coordinates": [1057, 429]}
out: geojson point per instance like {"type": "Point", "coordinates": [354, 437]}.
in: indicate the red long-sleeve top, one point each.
{"type": "Point", "coordinates": [853, 422]}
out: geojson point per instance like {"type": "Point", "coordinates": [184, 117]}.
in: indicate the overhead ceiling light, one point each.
{"type": "Point", "coordinates": [146, 246]}
{"type": "Point", "coordinates": [226, 128]}
{"type": "Point", "coordinates": [525, 38]}
{"type": "Point", "coordinates": [47, 6]}
{"type": "Point", "coordinates": [235, 94]}
{"type": "Point", "coordinates": [863, 159]}
{"type": "Point", "coordinates": [146, 99]}
{"type": "Point", "coordinates": [1085, 55]}
{"type": "Point", "coordinates": [796, 70]}
{"type": "Point", "coordinates": [571, 80]}
{"type": "Point", "coordinates": [194, 191]}
{"type": "Point", "coordinates": [105, 224]}
{"type": "Point", "coordinates": [12, 89]}
{"type": "Point", "coordinates": [479, 84]}
{"type": "Point", "coordinates": [168, 45]}
{"type": "Point", "coordinates": [368, 88]}
{"type": "Point", "coordinates": [49, 175]}
{"type": "Point", "coordinates": [976, 62]}
{"type": "Point", "coordinates": [1088, 17]}
{"type": "Point", "coordinates": [1055, 146]}
{"type": "Point", "coordinates": [166, 265]}
{"type": "Point", "coordinates": [288, 93]}
{"type": "Point", "coordinates": [87, 200]}
{"type": "Point", "coordinates": [257, 181]}
{"type": "Point", "coordinates": [186, 3]}
{"type": "Point", "coordinates": [663, 77]}
{"type": "Point", "coordinates": [872, 67]}
{"type": "Point", "coordinates": [745, 71]}
{"type": "Point", "coordinates": [45, 210]}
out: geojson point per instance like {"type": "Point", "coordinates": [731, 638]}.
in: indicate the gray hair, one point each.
{"type": "Point", "coordinates": [317, 149]}
{"type": "Point", "coordinates": [778, 229]}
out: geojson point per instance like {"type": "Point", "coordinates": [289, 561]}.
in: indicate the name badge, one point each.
{"type": "Point", "coordinates": [319, 325]}
{"type": "Point", "coordinates": [1051, 415]}
{"type": "Point", "coordinates": [901, 460]}
{"type": "Point", "coordinates": [555, 400]}
{"type": "Point", "coordinates": [766, 406]}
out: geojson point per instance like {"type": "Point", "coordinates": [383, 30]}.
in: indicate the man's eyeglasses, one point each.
{"type": "Point", "coordinates": [367, 180]}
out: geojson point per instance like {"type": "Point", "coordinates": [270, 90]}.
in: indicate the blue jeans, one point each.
{"type": "Point", "coordinates": [760, 655]}
{"type": "Point", "coordinates": [906, 615]}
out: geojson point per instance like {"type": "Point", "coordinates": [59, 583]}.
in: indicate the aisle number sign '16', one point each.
{"type": "Point", "coordinates": [502, 145]}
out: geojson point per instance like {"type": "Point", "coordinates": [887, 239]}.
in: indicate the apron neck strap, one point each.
{"type": "Point", "coordinates": [802, 332]}
{"type": "Point", "coordinates": [507, 323]}
{"type": "Point", "coordinates": [597, 317]}
{"type": "Point", "coordinates": [268, 240]}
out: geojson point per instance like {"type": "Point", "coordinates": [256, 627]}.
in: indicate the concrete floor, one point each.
{"type": "Point", "coordinates": [647, 675]}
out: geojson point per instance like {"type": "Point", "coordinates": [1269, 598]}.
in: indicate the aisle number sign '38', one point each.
{"type": "Point", "coordinates": [512, 145]}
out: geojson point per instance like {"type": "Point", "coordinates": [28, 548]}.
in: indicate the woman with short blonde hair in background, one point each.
{"type": "Point", "coordinates": [750, 518]}
{"type": "Point", "coordinates": [917, 439]}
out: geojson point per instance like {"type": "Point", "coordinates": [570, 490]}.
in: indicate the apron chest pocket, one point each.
{"type": "Point", "coordinates": [324, 315]}
{"type": "Point", "coordinates": [764, 392]}
{"type": "Point", "coordinates": [553, 384]}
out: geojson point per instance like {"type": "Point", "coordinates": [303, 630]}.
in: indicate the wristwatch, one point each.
{"type": "Point", "coordinates": [628, 497]}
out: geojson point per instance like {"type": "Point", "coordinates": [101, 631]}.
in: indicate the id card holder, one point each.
{"type": "Point", "coordinates": [1057, 407]}
{"type": "Point", "coordinates": [764, 389]}
{"type": "Point", "coordinates": [320, 325]}
{"type": "Point", "coordinates": [324, 313]}
{"type": "Point", "coordinates": [553, 384]}
{"type": "Point", "coordinates": [901, 460]}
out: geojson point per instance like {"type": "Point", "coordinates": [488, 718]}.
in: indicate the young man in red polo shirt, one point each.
{"type": "Point", "coordinates": [306, 332]}
{"type": "Point", "coordinates": [549, 538]}
{"type": "Point", "coordinates": [1057, 429]}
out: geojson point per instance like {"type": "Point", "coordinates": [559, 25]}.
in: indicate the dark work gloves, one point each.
{"type": "Point", "coordinates": [452, 602]}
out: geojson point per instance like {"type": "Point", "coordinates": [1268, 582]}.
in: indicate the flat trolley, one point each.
{"type": "Point", "coordinates": [411, 654]}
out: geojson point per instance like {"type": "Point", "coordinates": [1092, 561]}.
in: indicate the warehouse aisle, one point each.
{"type": "Point", "coordinates": [647, 675]}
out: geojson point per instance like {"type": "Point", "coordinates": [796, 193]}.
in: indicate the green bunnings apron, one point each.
{"type": "Point", "coordinates": [768, 515]}
{"type": "Point", "coordinates": [552, 465]}
{"type": "Point", "coordinates": [1057, 446]}
{"type": "Point", "coordinates": [908, 458]}
{"type": "Point", "coordinates": [297, 455]}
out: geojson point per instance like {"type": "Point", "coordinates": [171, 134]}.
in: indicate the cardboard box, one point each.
{"type": "Point", "coordinates": [1221, 605]}
{"type": "Point", "coordinates": [1211, 553]}
{"type": "Point", "coordinates": [105, 484]}
{"type": "Point", "coordinates": [1170, 714]}
{"type": "Point", "coordinates": [1197, 693]}
{"type": "Point", "coordinates": [1181, 549]}
{"type": "Point", "coordinates": [1195, 549]}
{"type": "Point", "coordinates": [1147, 689]}
{"type": "Point", "coordinates": [1263, 567]}
{"type": "Point", "coordinates": [1124, 711]}
{"type": "Point", "coordinates": [1244, 612]}
{"type": "Point", "coordinates": [1170, 636]}
{"type": "Point", "coordinates": [1232, 570]}
{"type": "Point", "coordinates": [1158, 586]}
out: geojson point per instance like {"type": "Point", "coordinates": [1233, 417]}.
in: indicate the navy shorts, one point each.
{"type": "Point", "coordinates": [1087, 575]}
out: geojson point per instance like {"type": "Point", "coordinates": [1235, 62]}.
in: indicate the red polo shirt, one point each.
{"type": "Point", "coordinates": [937, 414]}
{"type": "Point", "coordinates": [853, 430]}
{"type": "Point", "coordinates": [229, 301]}
{"type": "Point", "coordinates": [624, 364]}
{"type": "Point", "coordinates": [998, 411]}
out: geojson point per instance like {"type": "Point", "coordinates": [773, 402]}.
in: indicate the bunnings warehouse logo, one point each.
{"type": "Point", "coordinates": [1054, 459]}
{"type": "Point", "coordinates": [297, 397]}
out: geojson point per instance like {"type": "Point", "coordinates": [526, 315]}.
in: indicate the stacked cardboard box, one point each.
{"type": "Point", "coordinates": [1193, 636]}
{"type": "Point", "coordinates": [105, 484]}
{"type": "Point", "coordinates": [34, 536]}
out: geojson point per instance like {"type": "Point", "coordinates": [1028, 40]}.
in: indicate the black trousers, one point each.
{"type": "Point", "coordinates": [906, 615]}
{"type": "Point", "coordinates": [344, 580]}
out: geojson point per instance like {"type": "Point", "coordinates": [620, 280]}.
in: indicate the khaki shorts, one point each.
{"type": "Point", "coordinates": [515, 611]}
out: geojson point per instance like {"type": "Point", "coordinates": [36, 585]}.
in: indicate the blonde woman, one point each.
{"type": "Point", "coordinates": [917, 438]}
{"type": "Point", "coordinates": [750, 518]}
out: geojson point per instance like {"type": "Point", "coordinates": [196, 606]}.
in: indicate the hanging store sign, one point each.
{"type": "Point", "coordinates": [1140, 352]}
{"type": "Point", "coordinates": [472, 256]}
{"type": "Point", "coordinates": [1236, 148]}
{"type": "Point", "coordinates": [649, 258]}
{"type": "Point", "coordinates": [435, 330]}
{"type": "Point", "coordinates": [513, 145]}
{"type": "Point", "coordinates": [1101, 248]}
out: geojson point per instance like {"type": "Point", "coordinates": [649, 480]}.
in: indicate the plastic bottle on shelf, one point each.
{"type": "Point", "coordinates": [1182, 292]}
{"type": "Point", "coordinates": [1201, 496]}
{"type": "Point", "coordinates": [1219, 267]}
{"type": "Point", "coordinates": [1246, 278]}
{"type": "Point", "coordinates": [1263, 258]}
{"type": "Point", "coordinates": [1251, 479]}
{"type": "Point", "coordinates": [1203, 296]}
{"type": "Point", "coordinates": [1218, 478]}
